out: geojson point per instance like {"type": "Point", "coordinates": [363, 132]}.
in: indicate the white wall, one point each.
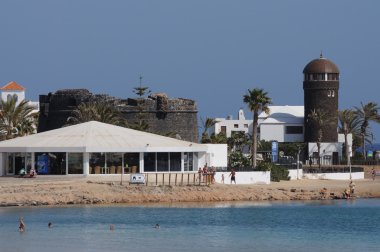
{"type": "Point", "coordinates": [20, 95]}
{"type": "Point", "coordinates": [334, 176]}
{"type": "Point", "coordinates": [326, 148]}
{"type": "Point", "coordinates": [269, 132]}
{"type": "Point", "coordinates": [216, 155]}
{"type": "Point", "coordinates": [244, 178]}
{"type": "Point", "coordinates": [293, 174]}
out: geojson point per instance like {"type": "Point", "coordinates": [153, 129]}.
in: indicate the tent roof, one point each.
{"type": "Point", "coordinates": [97, 137]}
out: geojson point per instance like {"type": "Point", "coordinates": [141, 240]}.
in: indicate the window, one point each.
{"type": "Point", "coordinates": [175, 161]}
{"type": "Point", "coordinates": [332, 76]}
{"type": "Point", "coordinates": [150, 161]}
{"type": "Point", "coordinates": [223, 129]}
{"type": "Point", "coordinates": [188, 161]}
{"type": "Point", "coordinates": [75, 163]}
{"type": "Point", "coordinates": [236, 126]}
{"type": "Point", "coordinates": [132, 161]}
{"type": "Point", "coordinates": [162, 161]}
{"type": "Point", "coordinates": [294, 130]}
{"type": "Point", "coordinates": [246, 126]}
{"type": "Point", "coordinates": [330, 93]}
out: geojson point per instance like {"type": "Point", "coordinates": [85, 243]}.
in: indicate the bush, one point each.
{"type": "Point", "coordinates": [277, 172]}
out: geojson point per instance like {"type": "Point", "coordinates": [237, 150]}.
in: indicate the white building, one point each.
{"type": "Point", "coordinates": [13, 88]}
{"type": "Point", "coordinates": [229, 125]}
{"type": "Point", "coordinates": [282, 124]}
{"type": "Point", "coordinates": [100, 148]}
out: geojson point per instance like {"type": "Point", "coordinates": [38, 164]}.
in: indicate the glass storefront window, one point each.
{"type": "Point", "coordinates": [175, 161]}
{"type": "Point", "coordinates": [75, 163]}
{"type": "Point", "coordinates": [162, 161]}
{"type": "Point", "coordinates": [97, 162]}
{"type": "Point", "coordinates": [190, 161]}
{"type": "Point", "coordinates": [131, 162]}
{"type": "Point", "coordinates": [150, 161]}
{"type": "Point", "coordinates": [50, 163]}
{"type": "Point", "coordinates": [114, 162]}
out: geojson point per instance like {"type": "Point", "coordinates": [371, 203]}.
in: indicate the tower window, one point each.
{"type": "Point", "coordinates": [236, 126]}
{"type": "Point", "coordinates": [330, 93]}
{"type": "Point", "coordinates": [333, 76]}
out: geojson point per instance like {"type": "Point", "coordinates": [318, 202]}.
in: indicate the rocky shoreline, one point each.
{"type": "Point", "coordinates": [83, 191]}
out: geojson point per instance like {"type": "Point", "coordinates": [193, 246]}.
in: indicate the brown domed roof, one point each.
{"type": "Point", "coordinates": [321, 65]}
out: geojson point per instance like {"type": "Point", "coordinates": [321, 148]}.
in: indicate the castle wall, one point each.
{"type": "Point", "coordinates": [165, 116]}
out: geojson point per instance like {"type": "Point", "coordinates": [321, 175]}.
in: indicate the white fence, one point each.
{"type": "Point", "coordinates": [295, 174]}
{"type": "Point", "coordinates": [335, 176]}
{"type": "Point", "coordinates": [245, 178]}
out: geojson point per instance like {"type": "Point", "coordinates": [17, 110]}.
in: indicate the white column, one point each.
{"type": "Point", "coordinates": [141, 162]}
{"type": "Point", "coordinates": [2, 164]}
{"type": "Point", "coordinates": [86, 163]}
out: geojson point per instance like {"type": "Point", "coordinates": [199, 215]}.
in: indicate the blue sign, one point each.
{"type": "Point", "coordinates": [43, 164]}
{"type": "Point", "coordinates": [274, 152]}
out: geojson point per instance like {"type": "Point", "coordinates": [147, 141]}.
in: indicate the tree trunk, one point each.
{"type": "Point", "coordinates": [254, 139]}
{"type": "Point", "coordinates": [347, 149]}
{"type": "Point", "coordinates": [364, 154]}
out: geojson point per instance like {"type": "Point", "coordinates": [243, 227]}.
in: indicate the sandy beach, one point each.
{"type": "Point", "coordinates": [63, 190]}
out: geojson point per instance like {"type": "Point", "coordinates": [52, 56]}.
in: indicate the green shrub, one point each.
{"type": "Point", "coordinates": [277, 172]}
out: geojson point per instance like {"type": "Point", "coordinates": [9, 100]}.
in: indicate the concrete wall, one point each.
{"type": "Point", "coordinates": [271, 132]}
{"type": "Point", "coordinates": [244, 178]}
{"type": "Point", "coordinates": [216, 155]}
{"type": "Point", "coordinates": [293, 174]}
{"type": "Point", "coordinates": [334, 176]}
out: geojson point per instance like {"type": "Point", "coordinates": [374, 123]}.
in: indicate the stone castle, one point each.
{"type": "Point", "coordinates": [175, 117]}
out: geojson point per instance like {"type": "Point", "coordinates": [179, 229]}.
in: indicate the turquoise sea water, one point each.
{"type": "Point", "coordinates": [347, 225]}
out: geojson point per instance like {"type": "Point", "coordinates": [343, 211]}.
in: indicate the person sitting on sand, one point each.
{"type": "Point", "coordinates": [32, 173]}
{"type": "Point", "coordinates": [347, 193]}
{"type": "Point", "coordinates": [352, 187]}
{"type": "Point", "coordinates": [323, 192]}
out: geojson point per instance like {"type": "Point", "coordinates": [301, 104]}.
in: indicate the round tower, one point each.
{"type": "Point", "coordinates": [321, 86]}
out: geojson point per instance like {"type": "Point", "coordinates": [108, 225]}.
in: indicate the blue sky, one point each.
{"type": "Point", "coordinates": [211, 51]}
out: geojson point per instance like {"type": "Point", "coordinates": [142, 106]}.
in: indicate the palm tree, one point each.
{"type": "Point", "coordinates": [101, 111]}
{"type": "Point", "coordinates": [257, 101]}
{"type": "Point", "coordinates": [320, 118]}
{"type": "Point", "coordinates": [365, 114]}
{"type": "Point", "coordinates": [348, 124]}
{"type": "Point", "coordinates": [16, 119]}
{"type": "Point", "coordinates": [207, 124]}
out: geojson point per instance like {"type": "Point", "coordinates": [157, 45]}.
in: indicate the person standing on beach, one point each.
{"type": "Point", "coordinates": [21, 225]}
{"type": "Point", "coordinates": [222, 178]}
{"type": "Point", "coordinates": [352, 188]}
{"type": "Point", "coordinates": [232, 174]}
{"type": "Point", "coordinates": [373, 172]}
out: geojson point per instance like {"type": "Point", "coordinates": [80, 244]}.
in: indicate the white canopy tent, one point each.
{"type": "Point", "coordinates": [88, 138]}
